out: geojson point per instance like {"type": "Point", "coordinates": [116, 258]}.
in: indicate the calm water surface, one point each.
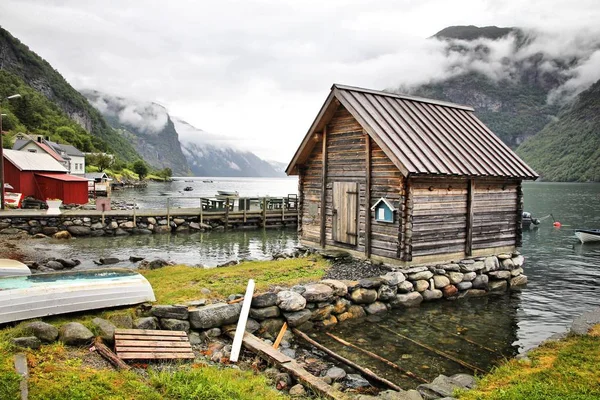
{"type": "Point", "coordinates": [564, 280]}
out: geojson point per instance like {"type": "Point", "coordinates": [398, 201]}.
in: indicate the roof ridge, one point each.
{"type": "Point", "coordinates": [403, 96]}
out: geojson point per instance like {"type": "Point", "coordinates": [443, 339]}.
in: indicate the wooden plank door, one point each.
{"type": "Point", "coordinates": [345, 212]}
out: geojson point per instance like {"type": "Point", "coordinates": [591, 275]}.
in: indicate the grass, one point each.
{"type": "Point", "coordinates": [565, 370]}
{"type": "Point", "coordinates": [180, 283]}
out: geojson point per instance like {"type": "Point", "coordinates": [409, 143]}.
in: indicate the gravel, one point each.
{"type": "Point", "coordinates": [354, 270]}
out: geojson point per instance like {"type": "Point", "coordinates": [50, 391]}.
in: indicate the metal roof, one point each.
{"type": "Point", "coordinates": [64, 177]}
{"type": "Point", "coordinates": [26, 161]}
{"type": "Point", "coordinates": [423, 136]}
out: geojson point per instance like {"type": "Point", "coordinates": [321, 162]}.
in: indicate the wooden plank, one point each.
{"type": "Point", "coordinates": [149, 332]}
{"type": "Point", "coordinates": [132, 349]}
{"type": "Point", "coordinates": [156, 356]}
{"type": "Point", "coordinates": [323, 186]}
{"type": "Point", "coordinates": [241, 325]}
{"type": "Point", "coordinates": [148, 337]}
{"type": "Point", "coordinates": [469, 227]}
{"type": "Point", "coordinates": [368, 196]}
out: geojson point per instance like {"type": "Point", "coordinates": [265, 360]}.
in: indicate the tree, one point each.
{"type": "Point", "coordinates": [103, 161]}
{"type": "Point", "coordinates": [140, 168]}
{"type": "Point", "coordinates": [166, 173]}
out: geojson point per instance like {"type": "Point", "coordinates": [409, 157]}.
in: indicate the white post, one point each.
{"type": "Point", "coordinates": [241, 326]}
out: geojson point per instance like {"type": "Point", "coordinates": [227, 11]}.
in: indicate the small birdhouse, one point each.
{"type": "Point", "coordinates": [384, 211]}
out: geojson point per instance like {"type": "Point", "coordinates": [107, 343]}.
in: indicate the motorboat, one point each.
{"type": "Point", "coordinates": [188, 189]}
{"type": "Point", "coordinates": [208, 181]}
{"type": "Point", "coordinates": [588, 235]}
{"type": "Point", "coordinates": [227, 193]}
{"type": "Point", "coordinates": [25, 297]}
{"type": "Point", "coordinates": [10, 267]}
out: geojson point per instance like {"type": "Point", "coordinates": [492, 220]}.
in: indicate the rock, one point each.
{"type": "Point", "coordinates": [158, 263]}
{"type": "Point", "coordinates": [387, 293]}
{"type": "Point", "coordinates": [500, 274]}
{"type": "Point", "coordinates": [51, 230]}
{"type": "Point", "coordinates": [355, 381]}
{"type": "Point", "coordinates": [149, 323]}
{"type": "Point", "coordinates": [469, 276]}
{"type": "Point", "coordinates": [317, 292]}
{"type": "Point", "coordinates": [339, 288]}
{"type": "Point", "coordinates": [75, 334]}
{"type": "Point", "coordinates": [475, 293]}
{"type": "Point", "coordinates": [175, 312]}
{"type": "Point", "coordinates": [322, 313]}
{"type": "Point", "coordinates": [393, 278]}
{"type": "Point", "coordinates": [370, 283]}
{"type": "Point", "coordinates": [31, 342]}
{"type": "Point", "coordinates": [432, 294]}
{"type": "Point", "coordinates": [212, 333]}
{"type": "Point", "coordinates": [423, 275]}
{"type": "Point", "coordinates": [364, 296]}
{"type": "Point", "coordinates": [507, 264]}
{"type": "Point", "coordinates": [79, 230]}
{"type": "Point", "coordinates": [352, 313]}
{"type": "Point", "coordinates": [440, 281]}
{"type": "Point", "coordinates": [135, 259]}
{"type": "Point", "coordinates": [69, 263]}
{"type": "Point", "coordinates": [45, 332]}
{"type": "Point", "coordinates": [421, 285]}
{"type": "Point", "coordinates": [341, 305]}
{"type": "Point", "coordinates": [170, 324]}
{"type": "Point", "coordinates": [481, 282]}
{"type": "Point", "coordinates": [455, 277]}
{"type": "Point", "coordinates": [412, 299]}
{"type": "Point", "coordinates": [291, 353]}
{"type": "Point", "coordinates": [113, 225]}
{"type": "Point", "coordinates": [264, 313]}
{"type": "Point", "coordinates": [105, 328]}
{"type": "Point", "coordinates": [451, 267]}
{"type": "Point", "coordinates": [205, 291]}
{"type": "Point", "coordinates": [289, 300]}
{"type": "Point", "coordinates": [518, 261]}
{"type": "Point", "coordinates": [491, 264]}
{"type": "Point", "coordinates": [503, 257]}
{"type": "Point", "coordinates": [271, 326]}
{"type": "Point", "coordinates": [283, 380]}
{"type": "Point", "coordinates": [54, 265]}
{"type": "Point", "coordinates": [297, 318]}
{"type": "Point", "coordinates": [178, 221]}
{"type": "Point", "coordinates": [297, 391]}
{"type": "Point", "coordinates": [252, 325]}
{"type": "Point", "coordinates": [161, 229]}
{"type": "Point", "coordinates": [97, 225]}
{"type": "Point", "coordinates": [518, 280]}
{"type": "Point", "coordinates": [449, 291]}
{"type": "Point", "coordinates": [109, 260]}
{"type": "Point", "coordinates": [215, 315]}
{"type": "Point", "coordinates": [415, 269]}
{"type": "Point", "coordinates": [376, 308]}
{"type": "Point", "coordinates": [464, 285]}
{"type": "Point", "coordinates": [151, 220]}
{"type": "Point", "coordinates": [127, 225]}
{"type": "Point", "coordinates": [121, 232]}
{"type": "Point", "coordinates": [194, 338]}
{"type": "Point", "coordinates": [197, 303]}
{"type": "Point", "coordinates": [405, 287]}
{"type": "Point", "coordinates": [465, 380]}
{"type": "Point", "coordinates": [335, 374]}
{"type": "Point", "coordinates": [442, 386]}
{"type": "Point", "coordinates": [229, 263]}
{"type": "Point", "coordinates": [516, 272]}
{"type": "Point", "coordinates": [267, 299]}
{"type": "Point", "coordinates": [39, 236]}
{"type": "Point", "coordinates": [122, 321]}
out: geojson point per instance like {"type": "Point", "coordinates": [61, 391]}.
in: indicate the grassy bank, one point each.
{"type": "Point", "coordinates": [562, 370]}
{"type": "Point", "coordinates": [60, 372]}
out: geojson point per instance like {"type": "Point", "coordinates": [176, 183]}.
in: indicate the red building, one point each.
{"type": "Point", "coordinates": [41, 176]}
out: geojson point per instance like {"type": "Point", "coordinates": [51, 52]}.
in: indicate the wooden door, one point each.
{"type": "Point", "coordinates": [345, 212]}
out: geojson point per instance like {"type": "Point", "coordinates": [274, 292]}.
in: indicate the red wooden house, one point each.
{"type": "Point", "coordinates": [41, 176]}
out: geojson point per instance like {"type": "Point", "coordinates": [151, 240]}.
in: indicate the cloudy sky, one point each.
{"type": "Point", "coordinates": [258, 71]}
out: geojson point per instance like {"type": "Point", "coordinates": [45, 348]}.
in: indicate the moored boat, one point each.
{"type": "Point", "coordinates": [10, 267]}
{"type": "Point", "coordinates": [588, 235]}
{"type": "Point", "coordinates": [227, 193]}
{"type": "Point", "coordinates": [25, 297]}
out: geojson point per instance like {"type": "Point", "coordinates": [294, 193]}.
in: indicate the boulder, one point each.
{"type": "Point", "coordinates": [469, 276]}
{"type": "Point", "coordinates": [105, 328]}
{"type": "Point", "coordinates": [464, 285]}
{"type": "Point", "coordinates": [393, 278]}
{"type": "Point", "coordinates": [267, 299]}
{"type": "Point", "coordinates": [387, 293]}
{"type": "Point", "coordinates": [215, 315]}
{"type": "Point", "coordinates": [252, 325]}
{"type": "Point", "coordinates": [322, 313]}
{"type": "Point", "coordinates": [79, 230]}
{"type": "Point", "coordinates": [75, 334]}
{"type": "Point", "coordinates": [432, 294]}
{"type": "Point", "coordinates": [31, 342]}
{"type": "Point", "coordinates": [370, 283]}
{"type": "Point", "coordinates": [423, 275]}
{"type": "Point", "coordinates": [151, 220]}
{"type": "Point", "coordinates": [481, 282]}
{"type": "Point", "coordinates": [442, 386]}
{"type": "Point", "coordinates": [339, 288]}
{"type": "Point", "coordinates": [55, 265]}
{"type": "Point", "coordinates": [507, 264]}
{"type": "Point", "coordinates": [289, 300]}
{"type": "Point", "coordinates": [352, 313]}
{"type": "Point", "coordinates": [475, 293]}
{"type": "Point", "coordinates": [297, 391]}
{"type": "Point", "coordinates": [455, 277]}
{"type": "Point", "coordinates": [500, 274]}
{"type": "Point", "coordinates": [405, 287]}
{"type": "Point", "coordinates": [122, 321]}
{"type": "Point", "coordinates": [135, 259]}
{"type": "Point", "coordinates": [297, 318]}
{"type": "Point", "coordinates": [491, 264]}
{"type": "Point", "coordinates": [355, 381]}
{"type": "Point", "coordinates": [317, 292]}
{"type": "Point", "coordinates": [265, 312]}
{"type": "Point", "coordinates": [440, 281]}
{"type": "Point", "coordinates": [341, 305]}
{"type": "Point", "coordinates": [518, 261]}
{"type": "Point", "coordinates": [412, 299]}
{"type": "Point", "coordinates": [376, 308]}
{"type": "Point", "coordinates": [465, 380]}
{"type": "Point", "coordinates": [516, 272]}
{"type": "Point", "coordinates": [51, 230]}
{"type": "Point", "coordinates": [174, 312]}
{"type": "Point", "coordinates": [45, 332]}
{"type": "Point", "coordinates": [335, 374]}
{"type": "Point", "coordinates": [149, 323]}
{"type": "Point", "coordinates": [171, 324]}
{"type": "Point", "coordinates": [449, 291]}
{"type": "Point", "coordinates": [158, 263]}
{"type": "Point", "coordinates": [109, 260]}
{"type": "Point", "coordinates": [363, 296]}
{"type": "Point", "coordinates": [271, 327]}
{"type": "Point", "coordinates": [518, 280]}
{"type": "Point", "coordinates": [127, 225]}
{"type": "Point", "coordinates": [421, 285]}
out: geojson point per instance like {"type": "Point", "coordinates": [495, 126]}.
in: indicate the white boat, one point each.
{"type": "Point", "coordinates": [227, 193]}
{"type": "Point", "coordinates": [588, 235]}
{"type": "Point", "coordinates": [25, 297]}
{"type": "Point", "coordinates": [13, 268]}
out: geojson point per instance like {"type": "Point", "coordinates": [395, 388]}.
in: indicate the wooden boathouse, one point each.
{"type": "Point", "coordinates": [406, 180]}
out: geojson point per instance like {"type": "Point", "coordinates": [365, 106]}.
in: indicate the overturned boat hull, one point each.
{"type": "Point", "coordinates": [10, 267]}
{"type": "Point", "coordinates": [588, 235]}
{"type": "Point", "coordinates": [34, 296]}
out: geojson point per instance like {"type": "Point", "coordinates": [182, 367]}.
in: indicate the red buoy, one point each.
{"type": "Point", "coordinates": [557, 224]}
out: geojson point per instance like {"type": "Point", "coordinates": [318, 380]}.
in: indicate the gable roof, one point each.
{"type": "Point", "coordinates": [26, 161]}
{"type": "Point", "coordinates": [420, 136]}
{"type": "Point", "coordinates": [386, 202]}
{"type": "Point", "coordinates": [20, 143]}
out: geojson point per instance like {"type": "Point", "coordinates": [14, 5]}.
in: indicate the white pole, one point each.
{"type": "Point", "coordinates": [241, 326]}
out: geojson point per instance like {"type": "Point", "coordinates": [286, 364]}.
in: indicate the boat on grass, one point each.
{"type": "Point", "coordinates": [25, 297]}
{"type": "Point", "coordinates": [10, 267]}
{"type": "Point", "coordinates": [588, 235]}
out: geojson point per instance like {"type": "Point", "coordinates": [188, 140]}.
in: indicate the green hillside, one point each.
{"type": "Point", "coordinates": [568, 149]}
{"type": "Point", "coordinates": [36, 73]}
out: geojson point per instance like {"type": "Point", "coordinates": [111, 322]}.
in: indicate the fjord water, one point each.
{"type": "Point", "coordinates": [564, 279]}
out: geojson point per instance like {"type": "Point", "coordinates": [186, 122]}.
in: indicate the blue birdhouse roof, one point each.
{"type": "Point", "coordinates": [386, 202]}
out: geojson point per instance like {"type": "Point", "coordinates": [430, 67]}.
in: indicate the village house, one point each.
{"type": "Point", "coordinates": [69, 156]}
{"type": "Point", "coordinates": [406, 180]}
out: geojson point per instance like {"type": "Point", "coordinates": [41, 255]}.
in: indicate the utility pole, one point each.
{"type": "Point", "coordinates": [14, 96]}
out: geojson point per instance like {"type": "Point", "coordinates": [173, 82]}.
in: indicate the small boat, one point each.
{"type": "Point", "coordinates": [588, 235]}
{"type": "Point", "coordinates": [25, 297]}
{"type": "Point", "coordinates": [528, 220]}
{"type": "Point", "coordinates": [13, 268]}
{"type": "Point", "coordinates": [188, 189]}
{"type": "Point", "coordinates": [227, 193]}
{"type": "Point", "coordinates": [208, 181]}
{"type": "Point", "coordinates": [168, 193]}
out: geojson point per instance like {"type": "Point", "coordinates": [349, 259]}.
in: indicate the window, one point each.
{"type": "Point", "coordinates": [32, 150]}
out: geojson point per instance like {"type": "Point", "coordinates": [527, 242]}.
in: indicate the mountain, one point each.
{"type": "Point", "coordinates": [568, 148]}
{"type": "Point", "coordinates": [472, 32]}
{"type": "Point", "coordinates": [207, 155]}
{"type": "Point", "coordinates": [18, 61]}
{"type": "Point", "coordinates": [147, 126]}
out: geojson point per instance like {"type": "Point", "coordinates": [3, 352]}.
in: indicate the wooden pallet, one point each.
{"type": "Point", "coordinates": [141, 344]}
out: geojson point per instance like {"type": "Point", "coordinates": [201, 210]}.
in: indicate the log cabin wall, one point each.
{"type": "Point", "coordinates": [309, 212]}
